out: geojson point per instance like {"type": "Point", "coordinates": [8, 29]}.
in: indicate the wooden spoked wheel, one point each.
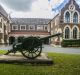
{"type": "Point", "coordinates": [32, 54]}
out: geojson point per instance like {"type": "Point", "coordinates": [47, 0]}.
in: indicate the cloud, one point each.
{"type": "Point", "coordinates": [78, 1]}
{"type": "Point", "coordinates": [40, 9]}
{"type": "Point", "coordinates": [30, 8]}
{"type": "Point", "coordinates": [18, 5]}
{"type": "Point", "coordinates": [55, 3]}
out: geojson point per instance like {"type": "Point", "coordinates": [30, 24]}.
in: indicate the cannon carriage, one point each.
{"type": "Point", "coordinates": [30, 47]}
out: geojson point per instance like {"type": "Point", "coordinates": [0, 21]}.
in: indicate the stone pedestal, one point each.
{"type": "Point", "coordinates": [18, 58]}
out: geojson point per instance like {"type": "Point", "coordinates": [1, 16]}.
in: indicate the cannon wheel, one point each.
{"type": "Point", "coordinates": [32, 54]}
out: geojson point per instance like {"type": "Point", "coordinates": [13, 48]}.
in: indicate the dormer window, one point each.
{"type": "Point", "coordinates": [14, 27]}
{"type": "Point", "coordinates": [22, 27]}
{"type": "Point", "coordinates": [31, 27]}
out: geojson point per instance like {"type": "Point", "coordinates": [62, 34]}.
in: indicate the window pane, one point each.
{"type": "Point", "coordinates": [75, 18]}
{"type": "Point", "coordinates": [23, 27]}
{"type": "Point", "coordinates": [67, 17]}
{"type": "Point", "coordinates": [75, 33]}
{"type": "Point", "coordinates": [14, 28]}
{"type": "Point", "coordinates": [67, 32]}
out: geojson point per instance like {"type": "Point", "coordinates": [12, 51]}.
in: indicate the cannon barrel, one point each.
{"type": "Point", "coordinates": [50, 36]}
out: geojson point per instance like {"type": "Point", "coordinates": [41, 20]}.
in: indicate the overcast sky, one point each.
{"type": "Point", "coordinates": [30, 8]}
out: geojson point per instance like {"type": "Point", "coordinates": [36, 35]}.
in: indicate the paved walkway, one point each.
{"type": "Point", "coordinates": [5, 47]}
{"type": "Point", "coordinates": [48, 48]}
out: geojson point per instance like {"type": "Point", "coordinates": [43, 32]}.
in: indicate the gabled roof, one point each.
{"type": "Point", "coordinates": [66, 6]}
{"type": "Point", "coordinates": [74, 2]}
{"type": "Point", "coordinates": [30, 21]}
{"type": "Point", "coordinates": [3, 12]}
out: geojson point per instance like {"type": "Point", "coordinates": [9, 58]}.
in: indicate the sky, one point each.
{"type": "Point", "coordinates": [31, 8]}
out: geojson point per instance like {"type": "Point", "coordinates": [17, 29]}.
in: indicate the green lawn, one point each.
{"type": "Point", "coordinates": [64, 64]}
{"type": "Point", "coordinates": [3, 51]}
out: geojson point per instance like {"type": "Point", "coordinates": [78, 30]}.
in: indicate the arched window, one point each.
{"type": "Point", "coordinates": [67, 33]}
{"type": "Point", "coordinates": [75, 18]}
{"type": "Point", "coordinates": [67, 17]}
{"type": "Point", "coordinates": [75, 33]}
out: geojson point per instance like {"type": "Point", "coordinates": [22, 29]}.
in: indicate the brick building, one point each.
{"type": "Point", "coordinates": [25, 27]}
{"type": "Point", "coordinates": [67, 22]}
{"type": "Point", "coordinates": [4, 26]}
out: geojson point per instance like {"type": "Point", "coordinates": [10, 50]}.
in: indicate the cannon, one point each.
{"type": "Point", "coordinates": [30, 47]}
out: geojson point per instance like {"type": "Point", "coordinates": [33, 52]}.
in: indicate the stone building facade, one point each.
{"type": "Point", "coordinates": [4, 26]}
{"type": "Point", "coordinates": [67, 22]}
{"type": "Point", "coordinates": [12, 28]}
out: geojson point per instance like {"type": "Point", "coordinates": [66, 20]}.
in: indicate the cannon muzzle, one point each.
{"type": "Point", "coordinates": [58, 34]}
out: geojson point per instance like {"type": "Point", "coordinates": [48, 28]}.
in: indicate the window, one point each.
{"type": "Point", "coordinates": [39, 27]}
{"type": "Point", "coordinates": [67, 17]}
{"type": "Point", "coordinates": [31, 27]}
{"type": "Point", "coordinates": [23, 27]}
{"type": "Point", "coordinates": [67, 33]}
{"type": "Point", "coordinates": [14, 27]}
{"type": "Point", "coordinates": [75, 18]}
{"type": "Point", "coordinates": [75, 33]}
{"type": "Point", "coordinates": [5, 27]}
{"type": "Point", "coordinates": [0, 25]}
{"type": "Point", "coordinates": [45, 28]}
{"type": "Point", "coordinates": [1, 18]}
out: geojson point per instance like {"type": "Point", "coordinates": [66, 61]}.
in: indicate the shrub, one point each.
{"type": "Point", "coordinates": [70, 43]}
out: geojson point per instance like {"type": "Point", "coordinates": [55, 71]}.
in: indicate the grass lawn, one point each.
{"type": "Point", "coordinates": [3, 51]}
{"type": "Point", "coordinates": [64, 64]}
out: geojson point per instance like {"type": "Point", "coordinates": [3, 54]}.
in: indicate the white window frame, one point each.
{"type": "Point", "coordinates": [65, 14]}
{"type": "Point", "coordinates": [75, 26]}
{"type": "Point", "coordinates": [70, 36]}
{"type": "Point", "coordinates": [73, 15]}
{"type": "Point", "coordinates": [24, 26]}
{"type": "Point", "coordinates": [40, 29]}
{"type": "Point", "coordinates": [33, 27]}
{"type": "Point", "coordinates": [13, 26]}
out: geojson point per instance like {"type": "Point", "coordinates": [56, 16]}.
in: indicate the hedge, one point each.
{"type": "Point", "coordinates": [70, 43]}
